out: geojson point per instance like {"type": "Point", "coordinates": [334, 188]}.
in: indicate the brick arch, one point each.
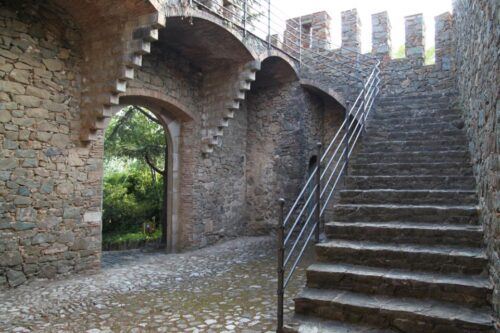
{"type": "Point", "coordinates": [282, 56]}
{"type": "Point", "coordinates": [173, 108]}
{"type": "Point", "coordinates": [189, 13]}
{"type": "Point", "coordinates": [171, 113]}
{"type": "Point", "coordinates": [319, 88]}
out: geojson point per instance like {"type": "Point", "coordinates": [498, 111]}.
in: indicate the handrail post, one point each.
{"type": "Point", "coordinates": [365, 113]}
{"type": "Point", "coordinates": [281, 269]}
{"type": "Point", "coordinates": [245, 15]}
{"type": "Point", "coordinates": [347, 138]}
{"type": "Point", "coordinates": [318, 191]}
{"type": "Point", "coordinates": [300, 40]}
{"type": "Point", "coordinates": [269, 24]}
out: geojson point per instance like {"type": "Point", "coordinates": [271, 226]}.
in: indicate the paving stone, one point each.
{"type": "Point", "coordinates": [145, 290]}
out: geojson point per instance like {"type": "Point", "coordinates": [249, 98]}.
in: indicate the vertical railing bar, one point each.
{"type": "Point", "coordinates": [281, 268]}
{"type": "Point", "coordinates": [318, 193]}
{"type": "Point", "coordinates": [269, 24]}
{"type": "Point", "coordinates": [245, 16]}
{"type": "Point", "coordinates": [300, 41]}
{"type": "Point", "coordinates": [348, 127]}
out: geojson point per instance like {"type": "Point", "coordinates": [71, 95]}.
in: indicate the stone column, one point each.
{"type": "Point", "coordinates": [443, 41]}
{"type": "Point", "coordinates": [320, 27]}
{"type": "Point", "coordinates": [381, 35]}
{"type": "Point", "coordinates": [351, 30]}
{"type": "Point", "coordinates": [415, 40]}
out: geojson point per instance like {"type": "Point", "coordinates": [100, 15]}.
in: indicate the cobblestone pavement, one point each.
{"type": "Point", "coordinates": [228, 287]}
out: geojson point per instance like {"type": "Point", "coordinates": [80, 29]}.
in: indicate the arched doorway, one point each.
{"type": "Point", "coordinates": [135, 182]}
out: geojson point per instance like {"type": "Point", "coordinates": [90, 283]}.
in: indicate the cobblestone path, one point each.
{"type": "Point", "coordinates": [228, 287]}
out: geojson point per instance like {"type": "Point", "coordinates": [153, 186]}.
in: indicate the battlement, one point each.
{"type": "Point", "coordinates": [316, 29]}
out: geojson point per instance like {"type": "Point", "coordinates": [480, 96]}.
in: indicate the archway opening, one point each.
{"type": "Point", "coordinates": [135, 183]}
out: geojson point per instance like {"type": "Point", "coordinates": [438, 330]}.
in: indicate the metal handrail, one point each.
{"type": "Point", "coordinates": [343, 142]}
{"type": "Point", "coordinates": [291, 46]}
{"type": "Point", "coordinates": [296, 229]}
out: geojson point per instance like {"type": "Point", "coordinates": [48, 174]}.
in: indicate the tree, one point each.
{"type": "Point", "coordinates": [135, 135]}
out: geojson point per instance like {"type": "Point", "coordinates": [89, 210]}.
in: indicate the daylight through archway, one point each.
{"type": "Point", "coordinates": [134, 183]}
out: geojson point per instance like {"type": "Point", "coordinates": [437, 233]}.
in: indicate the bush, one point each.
{"type": "Point", "coordinates": [130, 199]}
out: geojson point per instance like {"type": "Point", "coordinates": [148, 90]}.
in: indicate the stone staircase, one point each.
{"type": "Point", "coordinates": [405, 250]}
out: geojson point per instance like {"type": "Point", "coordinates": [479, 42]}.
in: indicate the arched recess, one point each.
{"type": "Point", "coordinates": [171, 113]}
{"type": "Point", "coordinates": [275, 109]}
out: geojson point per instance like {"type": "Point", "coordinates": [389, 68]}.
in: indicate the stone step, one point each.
{"type": "Point", "coordinates": [408, 197]}
{"type": "Point", "coordinates": [404, 314]}
{"type": "Point", "coordinates": [426, 182]}
{"type": "Point", "coordinates": [406, 232]}
{"type": "Point", "coordinates": [438, 168]}
{"type": "Point", "coordinates": [414, 213]}
{"type": "Point", "coordinates": [418, 125]}
{"type": "Point", "coordinates": [413, 111]}
{"type": "Point", "coordinates": [372, 146]}
{"type": "Point", "coordinates": [454, 156]}
{"type": "Point", "coordinates": [306, 324]}
{"type": "Point", "coordinates": [429, 258]}
{"type": "Point", "coordinates": [472, 291]}
{"type": "Point", "coordinates": [420, 97]}
{"type": "Point", "coordinates": [414, 135]}
{"type": "Point", "coordinates": [398, 108]}
{"type": "Point", "coordinates": [386, 121]}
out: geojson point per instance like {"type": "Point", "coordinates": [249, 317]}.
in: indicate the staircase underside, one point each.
{"type": "Point", "coordinates": [404, 252]}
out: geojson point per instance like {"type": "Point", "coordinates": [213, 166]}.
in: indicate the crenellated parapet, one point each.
{"type": "Point", "coordinates": [444, 41]}
{"type": "Point", "coordinates": [381, 35]}
{"type": "Point", "coordinates": [351, 30]}
{"type": "Point", "coordinates": [415, 38]}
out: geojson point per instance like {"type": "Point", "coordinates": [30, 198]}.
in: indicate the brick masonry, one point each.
{"type": "Point", "coordinates": [52, 86]}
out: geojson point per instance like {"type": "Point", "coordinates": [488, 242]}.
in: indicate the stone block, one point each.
{"type": "Point", "coordinates": [53, 64]}
{"type": "Point", "coordinates": [12, 87]}
{"type": "Point", "coordinates": [10, 258]}
{"type": "Point", "coordinates": [20, 75]}
{"type": "Point", "coordinates": [15, 278]}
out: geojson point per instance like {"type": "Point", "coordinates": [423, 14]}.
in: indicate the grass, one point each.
{"type": "Point", "coordinates": [118, 238]}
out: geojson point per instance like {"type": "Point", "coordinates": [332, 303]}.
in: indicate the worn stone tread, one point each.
{"type": "Point", "coordinates": [400, 275]}
{"type": "Point", "coordinates": [411, 182]}
{"type": "Point", "coordinates": [408, 196]}
{"type": "Point", "coordinates": [303, 324]}
{"type": "Point", "coordinates": [403, 212]}
{"type": "Point", "coordinates": [399, 308]}
{"type": "Point", "coordinates": [458, 251]}
{"type": "Point", "coordinates": [407, 232]}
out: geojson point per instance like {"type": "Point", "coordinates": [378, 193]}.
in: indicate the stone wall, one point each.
{"type": "Point", "coordinates": [43, 228]}
{"type": "Point", "coordinates": [51, 181]}
{"type": "Point", "coordinates": [285, 123]}
{"type": "Point", "coordinates": [476, 30]}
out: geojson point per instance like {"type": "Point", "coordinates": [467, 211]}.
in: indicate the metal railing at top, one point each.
{"type": "Point", "coordinates": [304, 218]}
{"type": "Point", "coordinates": [270, 24]}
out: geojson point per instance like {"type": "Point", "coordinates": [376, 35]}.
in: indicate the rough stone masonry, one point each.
{"type": "Point", "coordinates": [66, 68]}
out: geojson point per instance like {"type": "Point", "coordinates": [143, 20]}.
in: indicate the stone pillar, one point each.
{"type": "Point", "coordinates": [351, 30]}
{"type": "Point", "coordinates": [415, 39]}
{"type": "Point", "coordinates": [381, 35]}
{"type": "Point", "coordinates": [320, 28]}
{"type": "Point", "coordinates": [314, 28]}
{"type": "Point", "coordinates": [443, 41]}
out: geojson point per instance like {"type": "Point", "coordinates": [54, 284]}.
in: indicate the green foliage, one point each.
{"type": "Point", "coordinates": [131, 135]}
{"type": "Point", "coordinates": [133, 190]}
{"type": "Point", "coordinates": [400, 52]}
{"type": "Point", "coordinates": [119, 238]}
{"type": "Point", "coordinates": [130, 199]}
{"type": "Point", "coordinates": [430, 56]}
